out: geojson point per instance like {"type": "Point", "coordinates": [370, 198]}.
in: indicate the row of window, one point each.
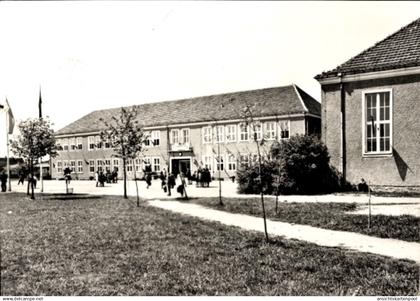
{"type": "Point", "coordinates": [95, 142]}
{"type": "Point", "coordinates": [242, 132]}
{"type": "Point", "coordinates": [76, 166]}
{"type": "Point", "coordinates": [228, 162]}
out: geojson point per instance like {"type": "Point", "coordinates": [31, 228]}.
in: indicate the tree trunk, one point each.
{"type": "Point", "coordinates": [32, 181]}
{"type": "Point", "coordinates": [261, 188]}
{"type": "Point", "coordinates": [125, 178]}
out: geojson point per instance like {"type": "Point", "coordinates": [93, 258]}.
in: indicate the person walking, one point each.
{"type": "Point", "coordinates": [97, 178]}
{"type": "Point", "coordinates": [3, 179]}
{"type": "Point", "coordinates": [21, 177]}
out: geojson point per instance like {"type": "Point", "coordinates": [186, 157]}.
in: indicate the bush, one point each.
{"type": "Point", "coordinates": [300, 165]}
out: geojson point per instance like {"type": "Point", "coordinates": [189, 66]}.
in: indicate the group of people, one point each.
{"type": "Point", "coordinates": [202, 177]}
{"type": "Point", "coordinates": [108, 177]}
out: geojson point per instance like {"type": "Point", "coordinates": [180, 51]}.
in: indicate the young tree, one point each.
{"type": "Point", "coordinates": [36, 139]}
{"type": "Point", "coordinates": [253, 124]}
{"type": "Point", "coordinates": [125, 136]}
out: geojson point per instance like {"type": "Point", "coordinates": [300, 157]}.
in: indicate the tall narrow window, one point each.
{"type": "Point", "coordinates": [156, 164]}
{"type": "Point", "coordinates": [174, 137]}
{"type": "Point", "coordinates": [284, 129]}
{"type": "Point", "coordinates": [80, 166]}
{"type": "Point", "coordinates": [185, 138]}
{"type": "Point", "coordinates": [59, 167]}
{"type": "Point", "coordinates": [98, 142]}
{"type": "Point", "coordinates": [377, 122]}
{"type": "Point", "coordinates": [91, 166]}
{"type": "Point", "coordinates": [231, 162]}
{"type": "Point", "coordinates": [207, 134]}
{"type": "Point", "coordinates": [256, 132]}
{"type": "Point", "coordinates": [270, 130]}
{"type": "Point", "coordinates": [231, 133]}
{"type": "Point", "coordinates": [73, 166]}
{"type": "Point", "coordinates": [99, 164]}
{"type": "Point", "coordinates": [79, 142]}
{"type": "Point", "coordinates": [65, 144]}
{"type": "Point", "coordinates": [72, 143]}
{"type": "Point", "coordinates": [155, 138]}
{"type": "Point", "coordinates": [219, 133]}
{"type": "Point", "coordinates": [207, 161]}
{"type": "Point", "coordinates": [91, 142]}
{"type": "Point", "coordinates": [219, 161]}
{"type": "Point", "coordinates": [243, 132]}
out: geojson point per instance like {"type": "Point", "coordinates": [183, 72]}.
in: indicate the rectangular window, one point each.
{"type": "Point", "coordinates": [219, 160]}
{"type": "Point", "coordinates": [72, 142]}
{"type": "Point", "coordinates": [207, 134]}
{"type": "Point", "coordinates": [99, 163]}
{"type": "Point", "coordinates": [174, 136]}
{"type": "Point", "coordinates": [65, 144]}
{"type": "Point", "coordinates": [243, 132]}
{"type": "Point", "coordinates": [79, 143]}
{"type": "Point", "coordinates": [137, 164]}
{"type": "Point", "coordinates": [156, 138]}
{"type": "Point", "coordinates": [91, 142]}
{"type": "Point", "coordinates": [231, 162]}
{"type": "Point", "coordinates": [107, 143]}
{"type": "Point", "coordinates": [270, 130]}
{"type": "Point", "coordinates": [256, 132]}
{"type": "Point", "coordinates": [244, 161]}
{"type": "Point", "coordinates": [231, 133]}
{"type": "Point", "coordinates": [91, 166]}
{"type": "Point", "coordinates": [156, 164]}
{"type": "Point", "coordinates": [80, 166]}
{"type": "Point", "coordinates": [129, 165]}
{"type": "Point", "coordinates": [185, 138]}
{"type": "Point", "coordinates": [284, 128]}
{"type": "Point", "coordinates": [98, 142]}
{"type": "Point", "coordinates": [219, 133]}
{"type": "Point", "coordinates": [73, 166]}
{"type": "Point", "coordinates": [115, 164]}
{"type": "Point", "coordinates": [377, 122]}
{"type": "Point", "coordinates": [207, 161]}
{"type": "Point", "coordinates": [59, 166]}
{"type": "Point", "coordinates": [108, 165]}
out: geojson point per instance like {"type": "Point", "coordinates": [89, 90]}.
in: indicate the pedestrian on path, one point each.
{"type": "Point", "coordinates": [3, 179]}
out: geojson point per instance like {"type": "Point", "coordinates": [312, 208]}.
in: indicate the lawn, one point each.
{"type": "Point", "coordinates": [331, 216]}
{"type": "Point", "coordinates": [91, 245]}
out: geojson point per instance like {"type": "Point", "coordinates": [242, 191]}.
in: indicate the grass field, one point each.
{"type": "Point", "coordinates": [91, 245]}
{"type": "Point", "coordinates": [323, 215]}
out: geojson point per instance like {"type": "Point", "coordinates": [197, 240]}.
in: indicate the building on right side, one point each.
{"type": "Point", "coordinates": [371, 113]}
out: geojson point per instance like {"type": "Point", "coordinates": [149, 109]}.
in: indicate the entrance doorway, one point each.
{"type": "Point", "coordinates": [180, 165]}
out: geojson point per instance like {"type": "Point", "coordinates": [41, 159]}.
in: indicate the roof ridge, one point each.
{"type": "Point", "coordinates": [300, 98]}
{"type": "Point", "coordinates": [367, 50]}
{"type": "Point", "coordinates": [379, 42]}
{"type": "Point", "coordinates": [194, 97]}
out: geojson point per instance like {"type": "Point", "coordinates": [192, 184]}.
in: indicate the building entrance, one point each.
{"type": "Point", "coordinates": [180, 165]}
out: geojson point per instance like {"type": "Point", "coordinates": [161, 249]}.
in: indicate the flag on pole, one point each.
{"type": "Point", "coordinates": [11, 119]}
{"type": "Point", "coordinates": [40, 103]}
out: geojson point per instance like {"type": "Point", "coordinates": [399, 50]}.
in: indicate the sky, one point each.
{"type": "Point", "coordinates": [86, 56]}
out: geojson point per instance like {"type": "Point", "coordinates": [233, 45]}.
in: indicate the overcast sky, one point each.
{"type": "Point", "coordinates": [95, 55]}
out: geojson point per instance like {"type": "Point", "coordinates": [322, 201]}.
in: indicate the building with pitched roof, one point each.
{"type": "Point", "coordinates": [371, 109]}
{"type": "Point", "coordinates": [185, 134]}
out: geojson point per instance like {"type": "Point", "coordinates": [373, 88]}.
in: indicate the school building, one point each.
{"type": "Point", "coordinates": [206, 131]}
{"type": "Point", "coordinates": [370, 113]}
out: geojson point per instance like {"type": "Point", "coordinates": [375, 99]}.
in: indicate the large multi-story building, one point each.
{"type": "Point", "coordinates": [184, 134]}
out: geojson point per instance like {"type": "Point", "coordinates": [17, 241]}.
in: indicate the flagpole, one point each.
{"type": "Point", "coordinates": [7, 148]}
{"type": "Point", "coordinates": [40, 159]}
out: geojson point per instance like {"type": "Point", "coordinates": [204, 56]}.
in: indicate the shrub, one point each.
{"type": "Point", "coordinates": [299, 165]}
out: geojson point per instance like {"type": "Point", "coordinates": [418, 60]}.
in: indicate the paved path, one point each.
{"type": "Point", "coordinates": [363, 243]}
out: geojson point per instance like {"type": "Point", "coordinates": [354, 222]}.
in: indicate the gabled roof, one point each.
{"type": "Point", "coordinates": [268, 102]}
{"type": "Point", "coordinates": [399, 50]}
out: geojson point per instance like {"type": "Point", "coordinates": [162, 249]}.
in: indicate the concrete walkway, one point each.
{"type": "Point", "coordinates": [354, 241]}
